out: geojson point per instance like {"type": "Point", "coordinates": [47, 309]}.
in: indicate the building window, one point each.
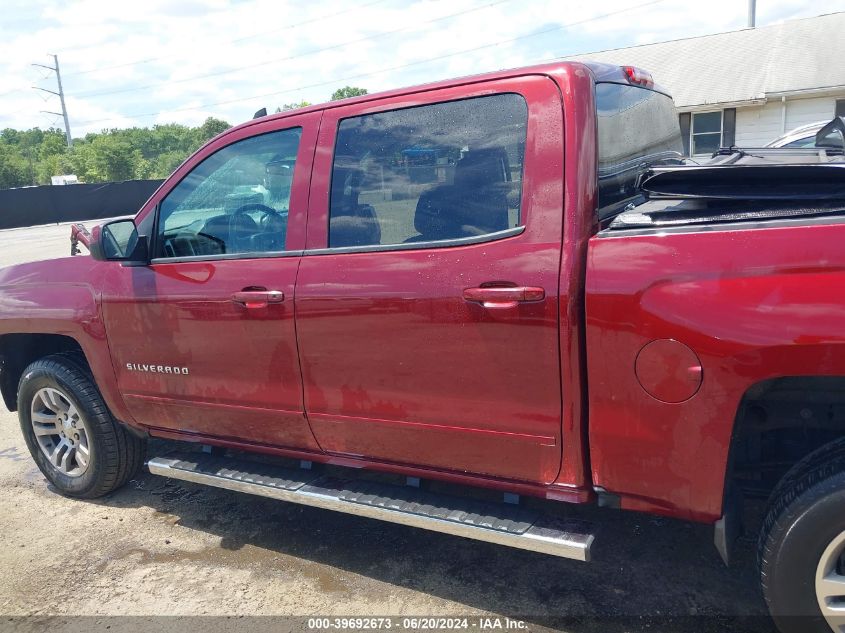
{"type": "Point", "coordinates": [840, 107]}
{"type": "Point", "coordinates": [706, 132]}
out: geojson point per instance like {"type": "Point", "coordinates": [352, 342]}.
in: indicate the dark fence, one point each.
{"type": "Point", "coordinates": [30, 206]}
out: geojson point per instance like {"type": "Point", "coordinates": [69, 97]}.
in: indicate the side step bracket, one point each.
{"type": "Point", "coordinates": [507, 525]}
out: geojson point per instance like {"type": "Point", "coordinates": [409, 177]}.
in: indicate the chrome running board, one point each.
{"type": "Point", "coordinates": [502, 524]}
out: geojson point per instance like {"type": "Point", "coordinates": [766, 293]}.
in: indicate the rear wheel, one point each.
{"type": "Point", "coordinates": [802, 546]}
{"type": "Point", "coordinates": [830, 583]}
{"type": "Point", "coordinates": [73, 438]}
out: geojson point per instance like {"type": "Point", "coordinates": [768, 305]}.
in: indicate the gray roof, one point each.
{"type": "Point", "coordinates": [744, 65]}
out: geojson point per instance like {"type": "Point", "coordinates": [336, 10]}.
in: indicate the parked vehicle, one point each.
{"type": "Point", "coordinates": [802, 136]}
{"type": "Point", "coordinates": [507, 283]}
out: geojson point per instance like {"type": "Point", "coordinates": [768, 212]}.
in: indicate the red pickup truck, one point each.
{"type": "Point", "coordinates": [439, 305]}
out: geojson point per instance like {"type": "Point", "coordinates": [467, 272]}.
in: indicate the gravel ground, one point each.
{"type": "Point", "coordinates": [164, 548]}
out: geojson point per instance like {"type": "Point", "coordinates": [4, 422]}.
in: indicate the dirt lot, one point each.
{"type": "Point", "coordinates": [165, 548]}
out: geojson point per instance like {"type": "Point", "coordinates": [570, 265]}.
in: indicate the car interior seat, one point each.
{"type": "Point", "coordinates": [351, 223]}
{"type": "Point", "coordinates": [475, 204]}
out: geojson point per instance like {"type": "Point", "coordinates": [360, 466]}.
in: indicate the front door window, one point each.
{"type": "Point", "coordinates": [234, 202]}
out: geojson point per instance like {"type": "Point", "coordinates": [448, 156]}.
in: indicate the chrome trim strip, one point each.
{"type": "Point", "coordinates": [538, 538]}
{"type": "Point", "coordinates": [458, 241]}
{"type": "Point", "coordinates": [225, 256]}
{"type": "Point", "coordinates": [372, 248]}
{"type": "Point", "coordinates": [207, 404]}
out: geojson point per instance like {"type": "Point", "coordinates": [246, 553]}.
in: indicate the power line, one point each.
{"type": "Point", "coordinates": [11, 92]}
{"type": "Point", "coordinates": [232, 41]}
{"type": "Point", "coordinates": [290, 57]}
{"type": "Point", "coordinates": [383, 70]}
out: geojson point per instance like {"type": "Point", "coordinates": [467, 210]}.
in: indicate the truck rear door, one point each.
{"type": "Point", "coordinates": [427, 297]}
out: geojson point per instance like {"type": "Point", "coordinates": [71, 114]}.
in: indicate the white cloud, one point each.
{"type": "Point", "coordinates": [257, 47]}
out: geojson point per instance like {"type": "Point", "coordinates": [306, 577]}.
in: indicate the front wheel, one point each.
{"type": "Point", "coordinates": [70, 432]}
{"type": "Point", "coordinates": [802, 548]}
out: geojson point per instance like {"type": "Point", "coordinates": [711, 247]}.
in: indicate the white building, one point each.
{"type": "Point", "coordinates": [750, 86]}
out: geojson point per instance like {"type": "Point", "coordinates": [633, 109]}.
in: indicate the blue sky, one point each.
{"type": "Point", "coordinates": [161, 61]}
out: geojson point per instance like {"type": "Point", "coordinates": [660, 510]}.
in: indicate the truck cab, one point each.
{"type": "Point", "coordinates": [410, 297]}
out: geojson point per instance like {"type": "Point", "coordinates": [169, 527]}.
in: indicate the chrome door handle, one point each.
{"type": "Point", "coordinates": [258, 298]}
{"type": "Point", "coordinates": [504, 296]}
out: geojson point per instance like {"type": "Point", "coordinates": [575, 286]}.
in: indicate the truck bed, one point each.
{"type": "Point", "coordinates": [744, 187]}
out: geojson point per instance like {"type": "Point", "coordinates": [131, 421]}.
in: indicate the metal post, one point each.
{"type": "Point", "coordinates": [752, 11]}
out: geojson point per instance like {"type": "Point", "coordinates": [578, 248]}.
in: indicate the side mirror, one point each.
{"type": "Point", "coordinates": [118, 241]}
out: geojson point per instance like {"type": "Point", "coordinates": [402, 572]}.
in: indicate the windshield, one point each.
{"type": "Point", "coordinates": [809, 141]}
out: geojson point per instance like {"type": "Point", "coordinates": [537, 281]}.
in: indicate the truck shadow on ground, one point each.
{"type": "Point", "coordinates": [648, 573]}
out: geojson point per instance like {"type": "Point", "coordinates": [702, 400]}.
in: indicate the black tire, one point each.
{"type": "Point", "coordinates": [806, 513]}
{"type": "Point", "coordinates": [831, 457]}
{"type": "Point", "coordinates": [116, 455]}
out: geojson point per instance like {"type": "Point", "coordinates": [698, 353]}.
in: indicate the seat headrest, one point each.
{"type": "Point", "coordinates": [482, 167]}
{"type": "Point", "coordinates": [452, 211]}
{"type": "Point", "coordinates": [346, 185]}
{"type": "Point", "coordinates": [435, 217]}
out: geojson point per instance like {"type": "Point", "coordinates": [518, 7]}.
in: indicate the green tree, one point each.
{"type": "Point", "coordinates": [14, 169]}
{"type": "Point", "coordinates": [48, 166]}
{"type": "Point", "coordinates": [114, 158]}
{"type": "Point", "coordinates": [53, 143]}
{"type": "Point", "coordinates": [211, 127]}
{"type": "Point", "coordinates": [36, 154]}
{"type": "Point", "coordinates": [293, 106]}
{"type": "Point", "coordinates": [79, 160]}
{"type": "Point", "coordinates": [10, 136]}
{"type": "Point", "coordinates": [165, 164]}
{"type": "Point", "coordinates": [348, 91]}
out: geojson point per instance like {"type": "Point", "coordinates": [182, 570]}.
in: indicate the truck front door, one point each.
{"type": "Point", "coordinates": [427, 297]}
{"type": "Point", "coordinates": [203, 339]}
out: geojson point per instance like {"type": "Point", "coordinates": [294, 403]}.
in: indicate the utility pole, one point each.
{"type": "Point", "coordinates": [60, 94]}
{"type": "Point", "coordinates": [752, 11]}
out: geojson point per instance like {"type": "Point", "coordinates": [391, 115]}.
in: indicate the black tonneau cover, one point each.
{"type": "Point", "coordinates": [747, 182]}
{"type": "Point", "coordinates": [740, 185]}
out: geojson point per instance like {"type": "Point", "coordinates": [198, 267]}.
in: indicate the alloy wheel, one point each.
{"type": "Point", "coordinates": [60, 432]}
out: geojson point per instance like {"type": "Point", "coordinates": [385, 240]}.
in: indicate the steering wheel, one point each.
{"type": "Point", "coordinates": [269, 212]}
{"type": "Point", "coordinates": [271, 235]}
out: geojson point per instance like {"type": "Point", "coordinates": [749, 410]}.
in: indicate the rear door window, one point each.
{"type": "Point", "coordinates": [431, 173]}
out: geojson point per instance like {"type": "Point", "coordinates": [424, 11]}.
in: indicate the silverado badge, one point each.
{"type": "Point", "coordinates": [157, 369]}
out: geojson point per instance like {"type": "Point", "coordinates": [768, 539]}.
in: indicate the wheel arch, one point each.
{"type": "Point", "coordinates": [778, 423]}
{"type": "Point", "coordinates": [17, 351]}
{"type": "Point", "coordinates": [781, 420]}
